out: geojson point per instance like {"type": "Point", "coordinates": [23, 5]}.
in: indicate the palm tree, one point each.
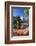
{"type": "Point", "coordinates": [26, 15]}
{"type": "Point", "coordinates": [26, 11]}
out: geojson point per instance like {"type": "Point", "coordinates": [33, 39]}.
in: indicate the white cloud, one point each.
{"type": "Point", "coordinates": [21, 17]}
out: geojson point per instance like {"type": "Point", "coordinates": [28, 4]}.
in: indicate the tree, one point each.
{"type": "Point", "coordinates": [16, 22]}
{"type": "Point", "coordinates": [26, 11]}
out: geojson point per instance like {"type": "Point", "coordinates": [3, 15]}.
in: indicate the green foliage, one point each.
{"type": "Point", "coordinates": [26, 12]}
{"type": "Point", "coordinates": [16, 22]}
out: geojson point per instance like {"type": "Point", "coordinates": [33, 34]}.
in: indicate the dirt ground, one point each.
{"type": "Point", "coordinates": [21, 32]}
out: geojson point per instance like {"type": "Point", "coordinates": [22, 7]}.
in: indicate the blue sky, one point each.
{"type": "Point", "coordinates": [18, 11]}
